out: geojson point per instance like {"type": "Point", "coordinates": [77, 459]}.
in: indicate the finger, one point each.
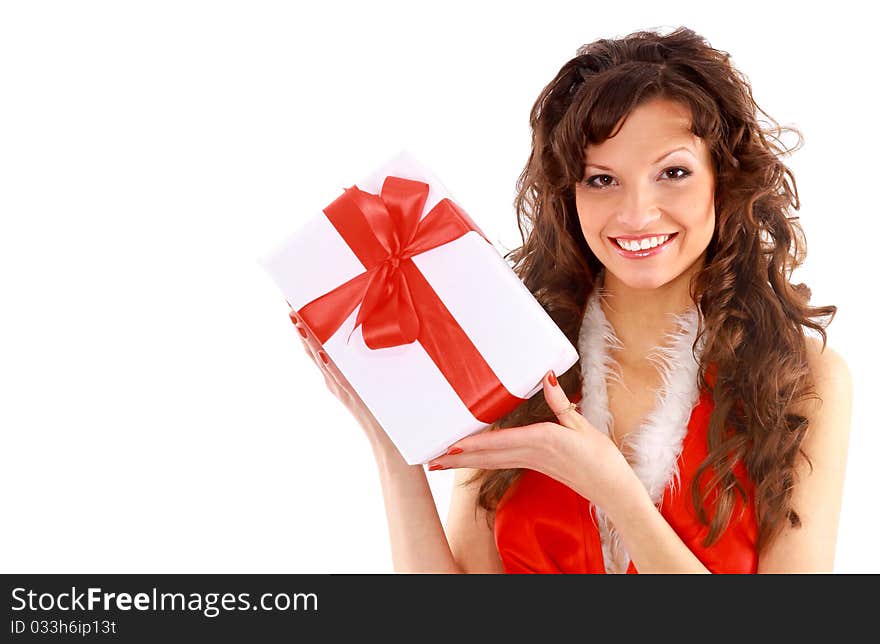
{"type": "Point", "coordinates": [319, 356]}
{"type": "Point", "coordinates": [304, 338]}
{"type": "Point", "coordinates": [559, 403]}
{"type": "Point", "coordinates": [329, 367]}
{"type": "Point", "coordinates": [309, 352]}
{"type": "Point", "coordinates": [500, 459]}
{"type": "Point", "coordinates": [501, 439]}
{"type": "Point", "coordinates": [303, 332]}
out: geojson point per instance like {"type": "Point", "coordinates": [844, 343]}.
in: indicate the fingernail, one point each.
{"type": "Point", "coordinates": [437, 466]}
{"type": "Point", "coordinates": [455, 450]}
{"type": "Point", "coordinates": [294, 319]}
{"type": "Point", "coordinates": [302, 332]}
{"type": "Point", "coordinates": [324, 357]}
{"type": "Point", "coordinates": [552, 379]}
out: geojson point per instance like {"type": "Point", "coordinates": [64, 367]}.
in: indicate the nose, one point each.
{"type": "Point", "coordinates": [639, 210]}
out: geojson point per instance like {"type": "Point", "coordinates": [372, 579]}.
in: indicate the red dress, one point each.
{"type": "Point", "coordinates": [543, 526]}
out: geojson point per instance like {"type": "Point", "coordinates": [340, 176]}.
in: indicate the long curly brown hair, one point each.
{"type": "Point", "coordinates": [752, 317]}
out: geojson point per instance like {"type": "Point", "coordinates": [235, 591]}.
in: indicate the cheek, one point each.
{"type": "Point", "coordinates": [697, 215]}
{"type": "Point", "coordinates": [707, 222]}
{"type": "Point", "coordinates": [592, 228]}
{"type": "Point", "coordinates": [593, 219]}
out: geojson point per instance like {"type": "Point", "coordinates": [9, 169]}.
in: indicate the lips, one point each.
{"type": "Point", "coordinates": [641, 253]}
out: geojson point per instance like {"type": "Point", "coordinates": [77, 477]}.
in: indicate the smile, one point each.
{"type": "Point", "coordinates": [643, 247]}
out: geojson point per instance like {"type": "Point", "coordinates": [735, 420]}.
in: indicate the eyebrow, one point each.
{"type": "Point", "coordinates": [663, 156]}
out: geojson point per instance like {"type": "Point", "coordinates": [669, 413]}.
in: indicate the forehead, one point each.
{"type": "Point", "coordinates": [655, 126]}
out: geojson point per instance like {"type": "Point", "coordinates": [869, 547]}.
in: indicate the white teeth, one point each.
{"type": "Point", "coordinates": [644, 244]}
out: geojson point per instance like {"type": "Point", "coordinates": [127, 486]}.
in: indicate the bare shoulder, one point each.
{"type": "Point", "coordinates": [829, 411]}
{"type": "Point", "coordinates": [470, 536]}
{"type": "Point", "coordinates": [817, 493]}
{"type": "Point", "coordinates": [830, 371]}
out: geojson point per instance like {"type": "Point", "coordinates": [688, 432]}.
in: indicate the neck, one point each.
{"type": "Point", "coordinates": [641, 318]}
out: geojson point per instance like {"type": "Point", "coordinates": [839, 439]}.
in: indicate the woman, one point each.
{"type": "Point", "coordinates": [713, 430]}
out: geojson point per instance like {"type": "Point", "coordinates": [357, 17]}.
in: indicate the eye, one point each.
{"type": "Point", "coordinates": [685, 173]}
{"type": "Point", "coordinates": [590, 182]}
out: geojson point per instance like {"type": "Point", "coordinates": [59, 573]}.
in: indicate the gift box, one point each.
{"type": "Point", "coordinates": [417, 309]}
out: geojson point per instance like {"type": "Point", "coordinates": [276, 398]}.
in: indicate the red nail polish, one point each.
{"type": "Point", "coordinates": [552, 379]}
{"type": "Point", "coordinates": [324, 357]}
{"type": "Point", "coordinates": [302, 332]}
{"type": "Point", "coordinates": [455, 450]}
{"type": "Point", "coordinates": [294, 319]}
{"type": "Point", "coordinates": [437, 466]}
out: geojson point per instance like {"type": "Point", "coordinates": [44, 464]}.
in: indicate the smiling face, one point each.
{"type": "Point", "coordinates": [646, 203]}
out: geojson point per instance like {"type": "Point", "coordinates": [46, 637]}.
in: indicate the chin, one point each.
{"type": "Point", "coordinates": [646, 280]}
{"type": "Point", "coordinates": [644, 277]}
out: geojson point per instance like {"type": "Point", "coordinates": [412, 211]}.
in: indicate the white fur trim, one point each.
{"type": "Point", "coordinates": [654, 447]}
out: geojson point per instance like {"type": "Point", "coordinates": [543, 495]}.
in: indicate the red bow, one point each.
{"type": "Point", "coordinates": [398, 305]}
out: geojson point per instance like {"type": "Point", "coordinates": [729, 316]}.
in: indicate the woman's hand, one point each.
{"type": "Point", "coordinates": [341, 388]}
{"type": "Point", "coordinates": [571, 451]}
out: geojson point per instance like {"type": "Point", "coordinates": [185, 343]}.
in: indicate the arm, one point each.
{"type": "Point", "coordinates": [652, 544]}
{"type": "Point", "coordinates": [418, 541]}
{"type": "Point", "coordinates": [588, 462]}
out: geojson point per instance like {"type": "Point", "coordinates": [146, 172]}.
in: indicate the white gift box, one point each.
{"type": "Point", "coordinates": [418, 408]}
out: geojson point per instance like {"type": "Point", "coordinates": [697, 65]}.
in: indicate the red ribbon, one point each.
{"type": "Point", "coordinates": [398, 305]}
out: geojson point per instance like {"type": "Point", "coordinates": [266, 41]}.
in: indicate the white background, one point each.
{"type": "Point", "coordinates": [158, 412]}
